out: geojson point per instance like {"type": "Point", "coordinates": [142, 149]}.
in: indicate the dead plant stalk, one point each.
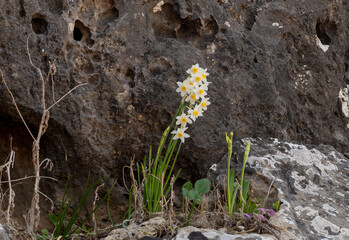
{"type": "Point", "coordinates": [33, 217]}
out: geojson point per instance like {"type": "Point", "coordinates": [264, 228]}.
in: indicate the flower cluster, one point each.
{"type": "Point", "coordinates": [194, 92]}
{"type": "Point", "coordinates": [263, 214]}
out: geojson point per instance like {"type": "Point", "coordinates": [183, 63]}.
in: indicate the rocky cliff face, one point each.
{"type": "Point", "coordinates": [278, 69]}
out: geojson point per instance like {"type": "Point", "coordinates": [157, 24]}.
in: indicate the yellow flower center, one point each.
{"type": "Point", "coordinates": [180, 135]}
{"type": "Point", "coordinates": [196, 113]}
{"type": "Point", "coordinates": [201, 91]}
{"type": "Point", "coordinates": [193, 96]}
{"type": "Point", "coordinates": [203, 75]}
{"type": "Point", "coordinates": [204, 104]}
{"type": "Point", "coordinates": [191, 83]}
{"type": "Point", "coordinates": [184, 120]}
{"type": "Point", "coordinates": [184, 88]}
{"type": "Point", "coordinates": [195, 70]}
{"type": "Point", "coordinates": [198, 79]}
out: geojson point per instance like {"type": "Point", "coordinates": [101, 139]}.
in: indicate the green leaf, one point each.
{"type": "Point", "coordinates": [198, 200]}
{"type": "Point", "coordinates": [53, 218]}
{"type": "Point", "coordinates": [203, 186]}
{"type": "Point", "coordinates": [186, 188]}
{"type": "Point", "coordinates": [44, 231]}
{"type": "Point", "coordinates": [193, 195]}
{"type": "Point", "coordinates": [276, 205]}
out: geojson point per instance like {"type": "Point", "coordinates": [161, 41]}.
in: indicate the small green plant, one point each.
{"type": "Point", "coordinates": [156, 173]}
{"type": "Point", "coordinates": [245, 202]}
{"type": "Point", "coordinates": [232, 187]}
{"type": "Point", "coordinates": [245, 199]}
{"type": "Point", "coordinates": [276, 205]}
{"type": "Point", "coordinates": [64, 225]}
{"type": "Point", "coordinates": [44, 235]}
{"type": "Point", "coordinates": [194, 195]}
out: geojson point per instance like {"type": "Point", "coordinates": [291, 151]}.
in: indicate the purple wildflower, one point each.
{"type": "Point", "coordinates": [271, 212]}
{"type": "Point", "coordinates": [261, 218]}
{"type": "Point", "coordinates": [262, 210]}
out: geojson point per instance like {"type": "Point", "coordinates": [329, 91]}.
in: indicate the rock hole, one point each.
{"type": "Point", "coordinates": [166, 21]}
{"type": "Point", "coordinates": [130, 76]}
{"type": "Point", "coordinates": [77, 34]}
{"type": "Point", "coordinates": [39, 24]}
{"type": "Point", "coordinates": [82, 33]}
{"type": "Point", "coordinates": [321, 34]}
{"type": "Point", "coordinates": [250, 15]}
{"type": "Point", "coordinates": [189, 29]}
{"type": "Point", "coordinates": [324, 31]}
{"type": "Point", "coordinates": [209, 31]}
{"type": "Point", "coordinates": [22, 12]}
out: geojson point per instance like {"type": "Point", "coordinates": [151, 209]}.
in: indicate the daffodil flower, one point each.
{"type": "Point", "coordinates": [192, 89]}
{"type": "Point", "coordinates": [191, 82]}
{"type": "Point", "coordinates": [183, 120]}
{"type": "Point", "coordinates": [204, 103]}
{"type": "Point", "coordinates": [180, 134]}
{"type": "Point", "coordinates": [195, 113]}
{"type": "Point", "coordinates": [195, 70]}
{"type": "Point", "coordinates": [183, 88]}
{"type": "Point", "coordinates": [204, 85]}
{"type": "Point", "coordinates": [192, 98]}
{"type": "Point", "coordinates": [204, 73]}
{"type": "Point", "coordinates": [200, 92]}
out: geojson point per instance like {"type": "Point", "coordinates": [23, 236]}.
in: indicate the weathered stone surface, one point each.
{"type": "Point", "coordinates": [138, 231]}
{"type": "Point", "coordinates": [277, 68]}
{"type": "Point", "coordinates": [311, 182]}
{"type": "Point", "coordinates": [3, 233]}
{"type": "Point", "coordinates": [193, 233]}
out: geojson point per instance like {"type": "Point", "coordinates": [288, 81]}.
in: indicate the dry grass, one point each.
{"type": "Point", "coordinates": [33, 216]}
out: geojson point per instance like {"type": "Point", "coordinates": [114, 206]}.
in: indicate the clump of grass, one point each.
{"type": "Point", "coordinates": [66, 225]}
{"type": "Point", "coordinates": [154, 174]}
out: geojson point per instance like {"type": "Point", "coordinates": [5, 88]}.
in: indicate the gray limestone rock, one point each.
{"type": "Point", "coordinates": [3, 233]}
{"type": "Point", "coordinates": [137, 231]}
{"type": "Point", "coordinates": [311, 182]}
{"type": "Point", "coordinates": [193, 233]}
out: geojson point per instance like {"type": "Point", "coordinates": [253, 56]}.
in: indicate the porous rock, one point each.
{"type": "Point", "coordinates": [138, 231]}
{"type": "Point", "coordinates": [270, 78]}
{"type": "Point", "coordinates": [311, 182]}
{"type": "Point", "coordinates": [193, 233]}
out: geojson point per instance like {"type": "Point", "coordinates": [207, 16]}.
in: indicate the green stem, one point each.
{"type": "Point", "coordinates": [247, 151]}
{"type": "Point", "coordinates": [190, 212]}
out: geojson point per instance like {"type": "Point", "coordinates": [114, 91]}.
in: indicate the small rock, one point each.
{"type": "Point", "coordinates": [3, 233]}
{"type": "Point", "coordinates": [193, 233]}
{"type": "Point", "coordinates": [138, 231]}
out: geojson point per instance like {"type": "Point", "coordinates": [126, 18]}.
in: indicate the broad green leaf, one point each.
{"type": "Point", "coordinates": [193, 195]}
{"type": "Point", "coordinates": [203, 186]}
{"type": "Point", "coordinates": [188, 186]}
{"type": "Point", "coordinates": [198, 200]}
